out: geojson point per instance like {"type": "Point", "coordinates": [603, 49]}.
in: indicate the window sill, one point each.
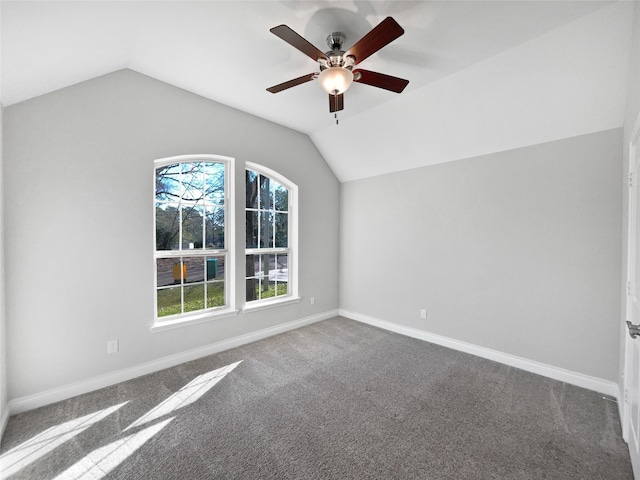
{"type": "Point", "coordinates": [160, 326]}
{"type": "Point", "coordinates": [270, 304]}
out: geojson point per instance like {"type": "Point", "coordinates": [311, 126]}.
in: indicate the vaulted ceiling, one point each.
{"type": "Point", "coordinates": [485, 76]}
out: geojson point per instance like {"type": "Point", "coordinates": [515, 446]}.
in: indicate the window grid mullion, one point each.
{"type": "Point", "coordinates": [204, 209]}
{"type": "Point", "coordinates": [275, 278]}
{"type": "Point", "coordinates": [180, 208]}
{"type": "Point", "coordinates": [182, 279]}
{"type": "Point", "coordinates": [273, 229]}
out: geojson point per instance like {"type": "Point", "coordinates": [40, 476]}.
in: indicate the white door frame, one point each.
{"type": "Point", "coordinates": [633, 250]}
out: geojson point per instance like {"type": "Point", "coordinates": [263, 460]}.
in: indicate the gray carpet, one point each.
{"type": "Point", "coordinates": [336, 399]}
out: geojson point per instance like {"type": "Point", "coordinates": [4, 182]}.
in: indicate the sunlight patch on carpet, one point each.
{"type": "Point", "coordinates": [188, 394]}
{"type": "Point", "coordinates": [28, 452]}
{"type": "Point", "coordinates": [103, 460]}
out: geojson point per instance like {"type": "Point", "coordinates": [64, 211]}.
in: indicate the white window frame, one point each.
{"type": "Point", "coordinates": [291, 250]}
{"type": "Point", "coordinates": [199, 316]}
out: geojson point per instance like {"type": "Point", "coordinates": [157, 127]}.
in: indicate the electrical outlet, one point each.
{"type": "Point", "coordinates": [112, 346]}
{"type": "Point", "coordinates": [313, 300]}
{"type": "Point", "coordinates": [423, 313]}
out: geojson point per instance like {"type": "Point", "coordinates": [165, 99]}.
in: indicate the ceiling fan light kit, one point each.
{"type": "Point", "coordinates": [335, 80]}
{"type": "Point", "coordinates": [336, 66]}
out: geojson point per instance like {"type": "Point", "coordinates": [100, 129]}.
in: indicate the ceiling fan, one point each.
{"type": "Point", "coordinates": [336, 66]}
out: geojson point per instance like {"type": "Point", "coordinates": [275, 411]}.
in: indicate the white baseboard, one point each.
{"type": "Point", "coordinates": [574, 378]}
{"type": "Point", "coordinates": [37, 400]}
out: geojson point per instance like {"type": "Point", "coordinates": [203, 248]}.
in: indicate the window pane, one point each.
{"type": "Point", "coordinates": [167, 226]}
{"type": "Point", "coordinates": [266, 200]}
{"type": "Point", "coordinates": [252, 230]}
{"type": "Point", "coordinates": [266, 229]}
{"type": "Point", "coordinates": [214, 227]}
{"type": "Point", "coordinates": [268, 290]}
{"type": "Point", "coordinates": [193, 298]}
{"type": "Point", "coordinates": [164, 272]}
{"type": "Point", "coordinates": [282, 266]}
{"type": "Point", "coordinates": [283, 288]}
{"type": "Point", "coordinates": [281, 197]}
{"type": "Point", "coordinates": [169, 301]}
{"type": "Point", "coordinates": [215, 267]}
{"type": "Point", "coordinates": [195, 269]}
{"type": "Point", "coordinates": [168, 183]}
{"type": "Point", "coordinates": [191, 227]}
{"type": "Point", "coordinates": [282, 230]}
{"type": "Point", "coordinates": [192, 182]}
{"type": "Point", "coordinates": [252, 289]}
{"type": "Point", "coordinates": [251, 182]}
{"type": "Point", "coordinates": [267, 263]}
{"type": "Point", "coordinates": [214, 183]}
{"type": "Point", "coordinates": [253, 265]}
{"type": "Point", "coordinates": [281, 274]}
{"type": "Point", "coordinates": [215, 294]}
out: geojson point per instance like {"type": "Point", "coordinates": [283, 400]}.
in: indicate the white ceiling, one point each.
{"type": "Point", "coordinates": [484, 76]}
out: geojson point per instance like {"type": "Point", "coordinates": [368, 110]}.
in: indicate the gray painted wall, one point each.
{"type": "Point", "coordinates": [518, 251]}
{"type": "Point", "coordinates": [4, 412]}
{"type": "Point", "coordinates": [79, 235]}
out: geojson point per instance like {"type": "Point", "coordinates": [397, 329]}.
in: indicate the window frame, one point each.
{"type": "Point", "coordinates": [292, 236]}
{"type": "Point", "coordinates": [228, 250]}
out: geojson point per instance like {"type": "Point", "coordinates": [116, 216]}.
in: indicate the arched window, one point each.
{"type": "Point", "coordinates": [193, 238]}
{"type": "Point", "coordinates": [271, 237]}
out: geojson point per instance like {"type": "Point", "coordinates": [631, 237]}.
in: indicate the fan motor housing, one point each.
{"type": "Point", "coordinates": [335, 40]}
{"type": "Point", "coordinates": [336, 56]}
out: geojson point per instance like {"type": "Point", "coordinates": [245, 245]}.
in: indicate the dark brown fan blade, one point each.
{"type": "Point", "coordinates": [380, 80]}
{"type": "Point", "coordinates": [336, 102]}
{"type": "Point", "coordinates": [295, 40]}
{"type": "Point", "coordinates": [291, 83]}
{"type": "Point", "coordinates": [386, 32]}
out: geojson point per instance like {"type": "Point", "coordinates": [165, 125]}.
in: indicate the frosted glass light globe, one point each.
{"type": "Point", "coordinates": [335, 80]}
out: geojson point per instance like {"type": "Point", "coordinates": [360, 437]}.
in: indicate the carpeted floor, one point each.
{"type": "Point", "coordinates": [336, 399]}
